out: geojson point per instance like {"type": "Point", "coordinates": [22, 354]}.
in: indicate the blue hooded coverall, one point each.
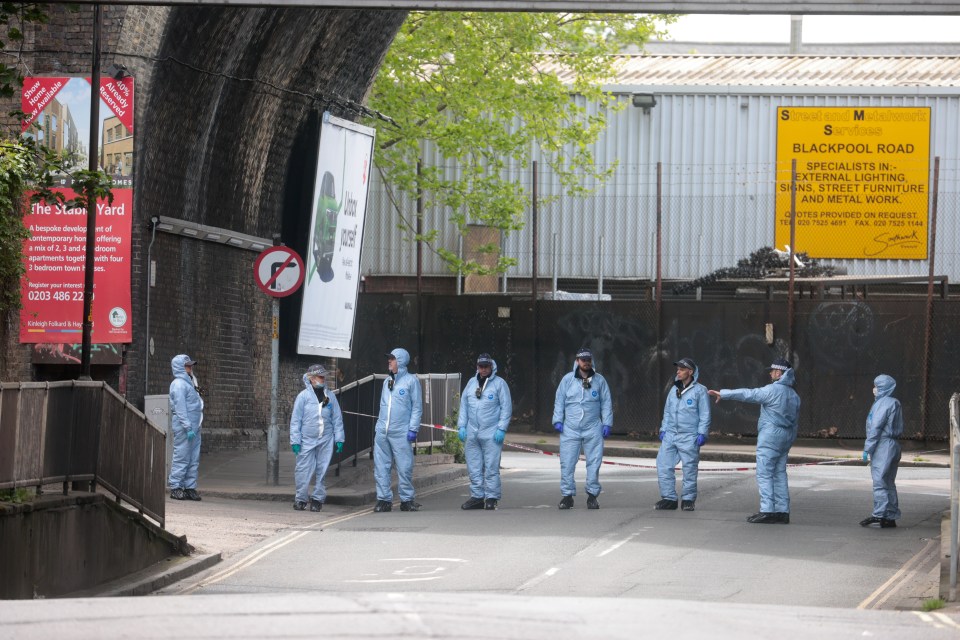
{"type": "Point", "coordinates": [776, 431]}
{"type": "Point", "coordinates": [583, 412]}
{"type": "Point", "coordinates": [684, 418]}
{"type": "Point", "coordinates": [400, 411]}
{"type": "Point", "coordinates": [315, 429]}
{"type": "Point", "coordinates": [884, 426]}
{"type": "Point", "coordinates": [482, 417]}
{"type": "Point", "coordinates": [186, 415]}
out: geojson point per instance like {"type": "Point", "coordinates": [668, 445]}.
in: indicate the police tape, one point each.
{"type": "Point", "coordinates": [528, 449]}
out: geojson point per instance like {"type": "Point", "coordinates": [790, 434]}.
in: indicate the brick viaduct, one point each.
{"type": "Point", "coordinates": [227, 123]}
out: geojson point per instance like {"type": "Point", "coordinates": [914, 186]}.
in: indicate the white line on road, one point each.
{"type": "Point", "coordinates": [266, 550]}
{"type": "Point", "coordinates": [537, 580]}
{"type": "Point", "coordinates": [928, 619]}
{"type": "Point", "coordinates": [422, 559]}
{"type": "Point", "coordinates": [395, 580]}
{"type": "Point", "coordinates": [946, 620]}
{"type": "Point", "coordinates": [617, 545]}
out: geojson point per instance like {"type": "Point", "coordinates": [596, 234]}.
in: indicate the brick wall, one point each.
{"type": "Point", "coordinates": [224, 99]}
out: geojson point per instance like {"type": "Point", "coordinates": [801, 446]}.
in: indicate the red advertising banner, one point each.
{"type": "Point", "coordinates": [51, 292]}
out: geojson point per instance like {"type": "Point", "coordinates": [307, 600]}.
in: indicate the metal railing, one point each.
{"type": "Point", "coordinates": [954, 491]}
{"type": "Point", "coordinates": [360, 404]}
{"type": "Point", "coordinates": [81, 431]}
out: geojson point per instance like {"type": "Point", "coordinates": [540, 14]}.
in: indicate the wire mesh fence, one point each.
{"type": "Point", "coordinates": [838, 265]}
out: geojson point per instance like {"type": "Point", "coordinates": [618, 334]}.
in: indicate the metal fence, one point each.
{"type": "Point", "coordinates": [81, 431]}
{"type": "Point", "coordinates": [954, 492]}
{"type": "Point", "coordinates": [360, 405]}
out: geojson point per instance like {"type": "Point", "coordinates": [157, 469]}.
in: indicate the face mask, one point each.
{"type": "Point", "coordinates": [317, 385]}
{"type": "Point", "coordinates": [874, 392]}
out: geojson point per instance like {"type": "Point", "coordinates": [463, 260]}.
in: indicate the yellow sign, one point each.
{"type": "Point", "coordinates": [862, 181]}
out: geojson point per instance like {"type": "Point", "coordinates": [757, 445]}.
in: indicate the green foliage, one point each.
{"type": "Point", "coordinates": [933, 604]}
{"type": "Point", "coordinates": [483, 88]}
{"type": "Point", "coordinates": [16, 496]}
{"type": "Point", "coordinates": [451, 441]}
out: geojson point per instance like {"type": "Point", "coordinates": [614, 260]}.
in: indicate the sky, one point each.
{"type": "Point", "coordinates": [826, 29]}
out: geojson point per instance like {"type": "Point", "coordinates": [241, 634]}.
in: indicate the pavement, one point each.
{"type": "Point", "coordinates": [242, 508]}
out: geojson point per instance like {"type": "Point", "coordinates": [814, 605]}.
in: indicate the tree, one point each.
{"type": "Point", "coordinates": [478, 87]}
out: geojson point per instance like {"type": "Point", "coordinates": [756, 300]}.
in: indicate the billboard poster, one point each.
{"type": "Point", "coordinates": [862, 181]}
{"type": "Point", "coordinates": [336, 230]}
{"type": "Point", "coordinates": [58, 116]}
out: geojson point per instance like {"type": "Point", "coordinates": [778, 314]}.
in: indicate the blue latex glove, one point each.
{"type": "Point", "coordinates": [191, 435]}
{"type": "Point", "coordinates": [339, 447]}
{"type": "Point", "coordinates": [558, 426]}
{"type": "Point", "coordinates": [866, 456]}
{"type": "Point", "coordinates": [701, 439]}
{"type": "Point", "coordinates": [411, 436]}
{"type": "Point", "coordinates": [295, 448]}
{"type": "Point", "coordinates": [499, 436]}
{"type": "Point", "coordinates": [661, 435]}
{"type": "Point", "coordinates": [462, 434]}
{"type": "Point", "coordinates": [606, 431]}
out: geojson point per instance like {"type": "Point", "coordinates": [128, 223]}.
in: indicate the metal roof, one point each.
{"type": "Point", "coordinates": [778, 70]}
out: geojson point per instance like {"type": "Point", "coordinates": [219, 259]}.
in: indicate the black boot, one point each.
{"type": "Point", "coordinates": [764, 517]}
{"type": "Point", "coordinates": [687, 505]}
{"type": "Point", "coordinates": [490, 504]}
{"type": "Point", "coordinates": [666, 504]}
{"type": "Point", "coordinates": [299, 505]}
{"type": "Point", "coordinates": [566, 503]}
{"type": "Point", "coordinates": [782, 517]}
{"type": "Point", "coordinates": [191, 494]}
{"type": "Point", "coordinates": [177, 494]}
{"type": "Point", "coordinates": [592, 502]}
{"type": "Point", "coordinates": [866, 522]}
{"type": "Point", "coordinates": [410, 505]}
{"type": "Point", "coordinates": [382, 506]}
{"type": "Point", "coordinates": [315, 505]}
{"type": "Point", "coordinates": [472, 503]}
{"type": "Point", "coordinates": [888, 524]}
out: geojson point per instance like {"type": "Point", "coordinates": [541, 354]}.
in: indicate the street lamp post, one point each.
{"type": "Point", "coordinates": [93, 165]}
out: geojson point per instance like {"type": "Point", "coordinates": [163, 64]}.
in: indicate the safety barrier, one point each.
{"type": "Point", "coordinates": [954, 491]}
{"type": "Point", "coordinates": [360, 405]}
{"type": "Point", "coordinates": [81, 431]}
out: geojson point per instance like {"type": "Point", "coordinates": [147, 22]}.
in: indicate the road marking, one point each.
{"type": "Point", "coordinates": [552, 571]}
{"type": "Point", "coordinates": [928, 619]}
{"type": "Point", "coordinates": [617, 545]}
{"type": "Point", "coordinates": [874, 600]}
{"type": "Point", "coordinates": [266, 550]}
{"type": "Point", "coordinates": [422, 560]}
{"type": "Point", "coordinates": [395, 580]}
{"type": "Point", "coordinates": [947, 620]}
{"type": "Point", "coordinates": [251, 559]}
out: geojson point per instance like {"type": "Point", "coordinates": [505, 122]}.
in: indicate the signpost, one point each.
{"type": "Point", "coordinates": [278, 272]}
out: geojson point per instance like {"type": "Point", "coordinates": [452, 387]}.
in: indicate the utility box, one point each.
{"type": "Point", "coordinates": [157, 410]}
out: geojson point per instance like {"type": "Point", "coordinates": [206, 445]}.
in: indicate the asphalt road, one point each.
{"type": "Point", "coordinates": [531, 571]}
{"type": "Point", "coordinates": [625, 549]}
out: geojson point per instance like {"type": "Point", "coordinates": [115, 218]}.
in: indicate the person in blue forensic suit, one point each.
{"type": "Point", "coordinates": [485, 411]}
{"type": "Point", "coordinates": [884, 427]}
{"type": "Point", "coordinates": [401, 405]}
{"type": "Point", "coordinates": [583, 416]}
{"type": "Point", "coordinates": [316, 426]}
{"type": "Point", "coordinates": [776, 431]}
{"type": "Point", "coordinates": [186, 416]}
{"type": "Point", "coordinates": [683, 430]}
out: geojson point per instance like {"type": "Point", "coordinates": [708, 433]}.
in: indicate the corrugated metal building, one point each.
{"type": "Point", "coordinates": [714, 129]}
